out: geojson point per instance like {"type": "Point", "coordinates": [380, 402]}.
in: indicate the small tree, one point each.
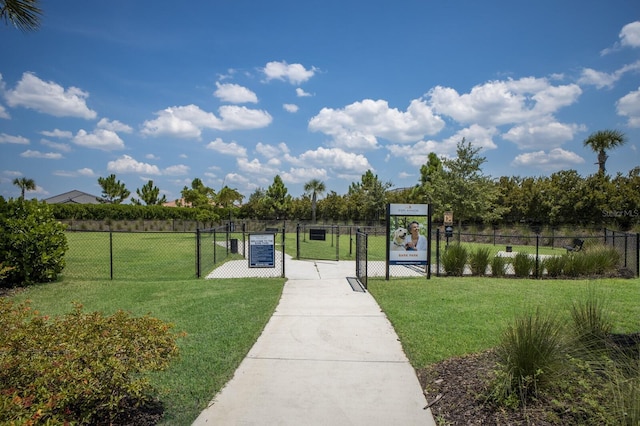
{"type": "Point", "coordinates": [33, 243]}
{"type": "Point", "coordinates": [149, 195]}
{"type": "Point", "coordinates": [24, 184]}
{"type": "Point", "coordinates": [314, 188]}
{"type": "Point", "coordinates": [603, 141]}
{"type": "Point", "coordinates": [277, 198]}
{"type": "Point", "coordinates": [113, 191]}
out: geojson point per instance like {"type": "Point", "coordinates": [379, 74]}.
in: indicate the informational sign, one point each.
{"type": "Point", "coordinates": [409, 228]}
{"type": "Point", "coordinates": [448, 218]}
{"type": "Point", "coordinates": [262, 251]}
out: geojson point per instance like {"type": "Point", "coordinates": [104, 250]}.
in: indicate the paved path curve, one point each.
{"type": "Point", "coordinates": [327, 356]}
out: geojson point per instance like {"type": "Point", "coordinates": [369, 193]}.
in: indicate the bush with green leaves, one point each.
{"type": "Point", "coordinates": [33, 243]}
{"type": "Point", "coordinates": [479, 260]}
{"type": "Point", "coordinates": [454, 259]}
{"type": "Point", "coordinates": [498, 264]}
{"type": "Point", "coordinates": [79, 368]}
{"type": "Point", "coordinates": [523, 265]}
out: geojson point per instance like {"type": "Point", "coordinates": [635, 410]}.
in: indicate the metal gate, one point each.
{"type": "Point", "coordinates": [320, 242]}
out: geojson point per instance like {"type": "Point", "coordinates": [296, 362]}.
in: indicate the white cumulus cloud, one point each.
{"type": "Point", "coordinates": [114, 125]}
{"type": "Point", "coordinates": [127, 164]}
{"type": "Point", "coordinates": [294, 73]}
{"type": "Point", "coordinates": [49, 98]}
{"type": "Point", "coordinates": [359, 125]}
{"type": "Point", "coordinates": [37, 154]}
{"type": "Point", "coordinates": [106, 140]}
{"type": "Point", "coordinates": [18, 140]}
{"type": "Point", "coordinates": [189, 121]}
{"type": "Point", "coordinates": [629, 106]}
{"type": "Point", "coordinates": [234, 93]}
{"type": "Point", "coordinates": [230, 148]}
{"type": "Point", "coordinates": [556, 159]}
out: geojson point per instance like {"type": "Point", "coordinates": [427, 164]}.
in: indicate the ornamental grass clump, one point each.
{"type": "Point", "coordinates": [554, 266]}
{"type": "Point", "coordinates": [523, 265]}
{"type": "Point", "coordinates": [592, 324]}
{"type": "Point", "coordinates": [82, 368]}
{"type": "Point", "coordinates": [454, 259]}
{"type": "Point", "coordinates": [530, 354]}
{"type": "Point", "coordinates": [479, 260]}
{"type": "Point", "coordinates": [498, 264]}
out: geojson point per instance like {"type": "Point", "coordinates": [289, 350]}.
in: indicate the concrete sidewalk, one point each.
{"type": "Point", "coordinates": [327, 356]}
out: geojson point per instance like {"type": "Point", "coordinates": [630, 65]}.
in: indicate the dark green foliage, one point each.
{"type": "Point", "coordinates": [33, 243]}
{"type": "Point", "coordinates": [454, 259]}
{"type": "Point", "coordinates": [523, 265]}
{"type": "Point", "coordinates": [479, 260]}
{"type": "Point", "coordinates": [122, 212]}
{"type": "Point", "coordinates": [79, 368]}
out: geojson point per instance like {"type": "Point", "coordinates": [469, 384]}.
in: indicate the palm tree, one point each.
{"type": "Point", "coordinates": [23, 14]}
{"type": "Point", "coordinates": [314, 187]}
{"type": "Point", "coordinates": [25, 184]}
{"type": "Point", "coordinates": [602, 141]}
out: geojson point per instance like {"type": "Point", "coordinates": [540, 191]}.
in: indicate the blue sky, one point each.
{"type": "Point", "coordinates": [235, 92]}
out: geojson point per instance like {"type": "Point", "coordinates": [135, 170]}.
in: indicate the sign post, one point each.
{"type": "Point", "coordinates": [262, 251]}
{"type": "Point", "coordinates": [409, 239]}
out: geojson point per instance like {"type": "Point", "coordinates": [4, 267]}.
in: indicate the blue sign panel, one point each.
{"type": "Point", "coordinates": [262, 251]}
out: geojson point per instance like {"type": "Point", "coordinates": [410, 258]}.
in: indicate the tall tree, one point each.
{"type": "Point", "coordinates": [368, 198]}
{"type": "Point", "coordinates": [278, 199]}
{"type": "Point", "coordinates": [149, 195]}
{"type": "Point", "coordinates": [22, 14]}
{"type": "Point", "coordinates": [113, 191]}
{"type": "Point", "coordinates": [603, 141]}
{"type": "Point", "coordinates": [199, 195]}
{"type": "Point", "coordinates": [463, 188]}
{"type": "Point", "coordinates": [314, 188]}
{"type": "Point", "coordinates": [25, 184]}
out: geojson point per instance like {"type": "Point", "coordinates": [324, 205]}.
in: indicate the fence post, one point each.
{"type": "Point", "coordinates": [111, 254]}
{"type": "Point", "coordinates": [538, 272]}
{"type": "Point", "coordinates": [638, 254]}
{"type": "Point", "coordinates": [337, 228]}
{"type": "Point", "coordinates": [437, 252]}
{"type": "Point", "coordinates": [298, 241]}
{"type": "Point", "coordinates": [198, 267]}
{"type": "Point", "coordinates": [283, 252]}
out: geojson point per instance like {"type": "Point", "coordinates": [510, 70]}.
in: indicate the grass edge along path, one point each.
{"type": "Point", "coordinates": [222, 319]}
{"type": "Point", "coordinates": [445, 317]}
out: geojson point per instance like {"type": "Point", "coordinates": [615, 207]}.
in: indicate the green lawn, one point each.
{"type": "Point", "coordinates": [444, 317]}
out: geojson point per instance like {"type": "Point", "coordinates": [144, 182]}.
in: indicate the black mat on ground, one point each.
{"type": "Point", "coordinates": [355, 284]}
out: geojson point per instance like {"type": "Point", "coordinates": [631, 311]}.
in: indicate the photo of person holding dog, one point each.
{"type": "Point", "coordinates": [414, 240]}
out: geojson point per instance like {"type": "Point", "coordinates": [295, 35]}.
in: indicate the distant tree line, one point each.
{"type": "Point", "coordinates": [448, 184]}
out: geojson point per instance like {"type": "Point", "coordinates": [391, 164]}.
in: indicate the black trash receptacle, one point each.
{"type": "Point", "coordinates": [234, 245]}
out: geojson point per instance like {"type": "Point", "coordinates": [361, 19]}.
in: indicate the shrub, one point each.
{"type": "Point", "coordinates": [33, 243]}
{"type": "Point", "coordinates": [523, 264]}
{"type": "Point", "coordinates": [498, 264]}
{"type": "Point", "coordinates": [554, 265]}
{"type": "Point", "coordinates": [454, 259]}
{"type": "Point", "coordinates": [79, 368]}
{"type": "Point", "coordinates": [529, 355]}
{"type": "Point", "coordinates": [479, 260]}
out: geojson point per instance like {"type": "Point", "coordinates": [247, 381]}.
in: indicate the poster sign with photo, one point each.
{"type": "Point", "coordinates": [262, 251]}
{"type": "Point", "coordinates": [408, 230]}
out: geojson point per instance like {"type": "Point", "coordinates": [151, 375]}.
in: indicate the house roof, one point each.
{"type": "Point", "coordinates": [73, 197]}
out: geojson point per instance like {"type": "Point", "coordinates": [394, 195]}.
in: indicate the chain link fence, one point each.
{"type": "Point", "coordinates": [628, 245]}
{"type": "Point", "coordinates": [538, 246]}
